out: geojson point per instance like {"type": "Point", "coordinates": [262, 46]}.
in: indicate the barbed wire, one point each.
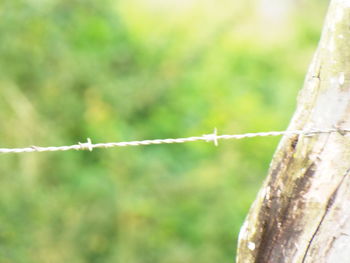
{"type": "Point", "coordinates": [214, 137]}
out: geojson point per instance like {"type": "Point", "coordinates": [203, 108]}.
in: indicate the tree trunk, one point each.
{"type": "Point", "coordinates": [302, 212]}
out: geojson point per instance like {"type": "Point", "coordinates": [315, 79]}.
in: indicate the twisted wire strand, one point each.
{"type": "Point", "coordinates": [214, 137]}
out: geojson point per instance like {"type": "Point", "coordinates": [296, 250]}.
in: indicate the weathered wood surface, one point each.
{"type": "Point", "coordinates": [302, 212]}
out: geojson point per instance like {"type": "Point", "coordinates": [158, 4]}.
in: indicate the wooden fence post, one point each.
{"type": "Point", "coordinates": [302, 212]}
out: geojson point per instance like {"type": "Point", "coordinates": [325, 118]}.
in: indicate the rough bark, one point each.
{"type": "Point", "coordinates": [302, 212]}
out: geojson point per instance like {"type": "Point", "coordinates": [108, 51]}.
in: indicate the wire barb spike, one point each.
{"type": "Point", "coordinates": [86, 145]}
{"type": "Point", "coordinates": [212, 137]}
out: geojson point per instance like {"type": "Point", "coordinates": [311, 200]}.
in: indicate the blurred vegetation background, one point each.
{"type": "Point", "coordinates": [117, 70]}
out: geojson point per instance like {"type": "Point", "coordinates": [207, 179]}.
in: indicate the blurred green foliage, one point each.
{"type": "Point", "coordinates": [141, 69]}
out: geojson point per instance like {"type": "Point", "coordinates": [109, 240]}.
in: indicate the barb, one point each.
{"type": "Point", "coordinates": [214, 137]}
